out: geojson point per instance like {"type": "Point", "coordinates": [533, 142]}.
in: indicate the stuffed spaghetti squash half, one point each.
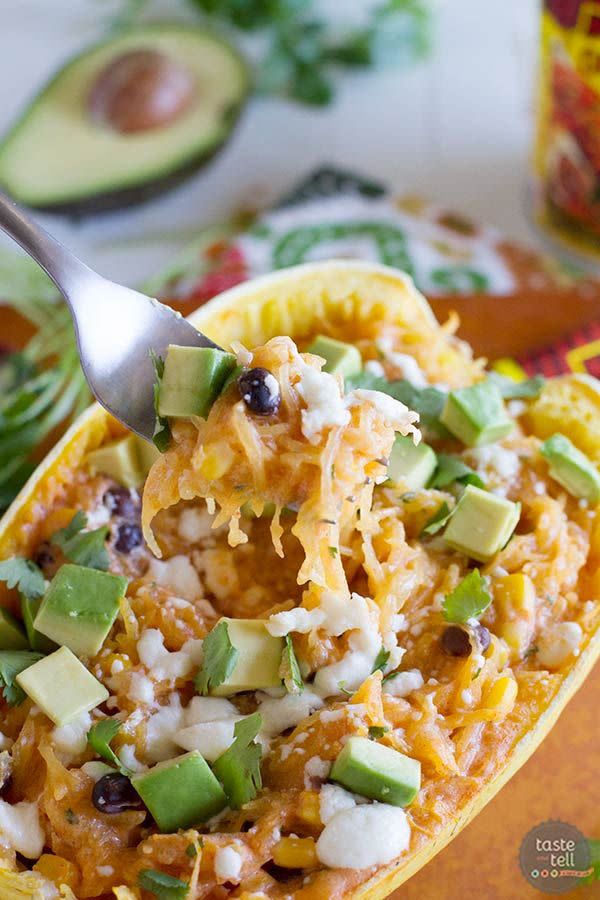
{"type": "Point", "coordinates": [293, 651]}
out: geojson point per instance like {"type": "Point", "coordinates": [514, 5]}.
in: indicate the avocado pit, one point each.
{"type": "Point", "coordinates": [140, 90]}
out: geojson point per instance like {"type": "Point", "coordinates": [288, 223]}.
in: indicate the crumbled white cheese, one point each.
{"type": "Point", "coordinates": [96, 518]}
{"type": "Point", "coordinates": [356, 616]}
{"type": "Point", "coordinates": [558, 642]}
{"type": "Point", "coordinates": [299, 619]}
{"type": "Point", "coordinates": [325, 405]}
{"type": "Point", "coordinates": [5, 742]}
{"type": "Point", "coordinates": [178, 574]}
{"type": "Point", "coordinates": [163, 665]}
{"type": "Point", "coordinates": [127, 756]}
{"type": "Point", "coordinates": [375, 368]}
{"type": "Point", "coordinates": [316, 772]}
{"type": "Point", "coordinates": [210, 738]}
{"type": "Point", "coordinates": [396, 414]}
{"type": "Point", "coordinates": [228, 865]}
{"type": "Point", "coordinates": [332, 799]}
{"type": "Point", "coordinates": [96, 769]}
{"type": "Point", "coordinates": [404, 683]}
{"type": "Point", "coordinates": [364, 836]}
{"type": "Point", "coordinates": [20, 828]}
{"type": "Point", "coordinates": [208, 709]}
{"type": "Point", "coordinates": [141, 689]}
{"type": "Point", "coordinates": [70, 740]}
{"type": "Point", "coordinates": [500, 460]}
{"type": "Point", "coordinates": [194, 524]}
{"type": "Point", "coordinates": [105, 871]}
{"type": "Point", "coordinates": [407, 366]}
{"type": "Point", "coordinates": [516, 408]}
{"type": "Point", "coordinates": [116, 666]}
{"type": "Point", "coordinates": [161, 728]}
{"type": "Point", "coordinates": [278, 714]}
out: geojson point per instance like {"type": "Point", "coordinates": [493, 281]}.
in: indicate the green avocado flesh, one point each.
{"type": "Point", "coordinates": [192, 380]}
{"type": "Point", "coordinates": [57, 157]}
{"type": "Point", "coordinates": [258, 660]}
{"type": "Point", "coordinates": [476, 415]}
{"type": "Point", "coordinates": [180, 792]}
{"type": "Point", "coordinates": [378, 772]}
{"type": "Point", "coordinates": [409, 465]}
{"type": "Point", "coordinates": [340, 358]}
{"type": "Point", "coordinates": [62, 686]}
{"type": "Point", "coordinates": [127, 460]}
{"type": "Point", "coordinates": [12, 636]}
{"type": "Point", "coordinates": [481, 523]}
{"type": "Point", "coordinates": [80, 607]}
{"type": "Point", "coordinates": [571, 468]}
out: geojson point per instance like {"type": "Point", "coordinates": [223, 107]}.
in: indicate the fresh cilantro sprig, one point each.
{"type": "Point", "coordinates": [12, 663]}
{"type": "Point", "coordinates": [238, 768]}
{"type": "Point", "coordinates": [162, 429]}
{"type": "Point", "coordinates": [381, 661]}
{"type": "Point", "coordinates": [468, 600]}
{"type": "Point", "coordinates": [527, 389]}
{"type": "Point", "coordinates": [24, 575]}
{"type": "Point", "coordinates": [452, 468]}
{"type": "Point", "coordinates": [438, 520]}
{"type": "Point", "coordinates": [85, 548]}
{"type": "Point", "coordinates": [163, 886]}
{"type": "Point", "coordinates": [99, 737]}
{"type": "Point", "coordinates": [289, 670]}
{"type": "Point", "coordinates": [429, 402]}
{"type": "Point", "coordinates": [220, 657]}
{"type": "Point", "coordinates": [377, 731]}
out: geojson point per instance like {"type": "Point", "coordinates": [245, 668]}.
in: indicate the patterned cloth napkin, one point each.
{"type": "Point", "coordinates": [339, 214]}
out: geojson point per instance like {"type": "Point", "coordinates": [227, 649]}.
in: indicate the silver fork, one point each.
{"type": "Point", "coordinates": [116, 327]}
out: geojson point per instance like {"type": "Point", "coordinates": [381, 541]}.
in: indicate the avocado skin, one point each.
{"type": "Point", "coordinates": [122, 198]}
{"type": "Point", "coordinates": [109, 201]}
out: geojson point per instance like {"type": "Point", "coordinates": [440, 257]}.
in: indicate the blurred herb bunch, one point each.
{"type": "Point", "coordinates": [303, 49]}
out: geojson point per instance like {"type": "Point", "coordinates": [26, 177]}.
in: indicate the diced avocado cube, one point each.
{"type": "Point", "coordinates": [411, 466]}
{"type": "Point", "coordinates": [119, 460]}
{"type": "Point", "coordinates": [259, 657]}
{"type": "Point", "coordinates": [12, 636]}
{"type": "Point", "coordinates": [180, 792]}
{"type": "Point", "coordinates": [79, 608]}
{"type": "Point", "coordinates": [481, 523]}
{"type": "Point", "coordinates": [340, 358]}
{"type": "Point", "coordinates": [37, 641]}
{"type": "Point", "coordinates": [62, 686]}
{"type": "Point", "coordinates": [378, 772]}
{"type": "Point", "coordinates": [127, 460]}
{"type": "Point", "coordinates": [192, 380]}
{"type": "Point", "coordinates": [476, 414]}
{"type": "Point", "coordinates": [571, 468]}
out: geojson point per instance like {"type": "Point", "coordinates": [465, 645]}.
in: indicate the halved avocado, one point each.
{"type": "Point", "coordinates": [65, 155]}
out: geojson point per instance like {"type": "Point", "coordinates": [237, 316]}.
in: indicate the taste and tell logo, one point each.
{"type": "Point", "coordinates": [554, 857]}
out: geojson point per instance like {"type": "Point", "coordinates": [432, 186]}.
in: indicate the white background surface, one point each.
{"type": "Point", "coordinates": [456, 127]}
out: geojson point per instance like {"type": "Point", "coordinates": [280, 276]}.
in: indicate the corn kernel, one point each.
{"type": "Point", "coordinates": [510, 368]}
{"type": "Point", "coordinates": [295, 853]}
{"type": "Point", "coordinates": [58, 870]}
{"type": "Point", "coordinates": [514, 600]}
{"type": "Point", "coordinates": [217, 459]}
{"type": "Point", "coordinates": [125, 893]}
{"type": "Point", "coordinates": [308, 808]}
{"type": "Point", "coordinates": [501, 696]}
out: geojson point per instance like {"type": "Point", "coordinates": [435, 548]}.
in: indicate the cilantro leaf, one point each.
{"type": "Point", "coordinates": [12, 662]}
{"type": "Point", "coordinates": [518, 390]}
{"type": "Point", "coordinates": [162, 429]}
{"type": "Point", "coordinates": [450, 469]}
{"type": "Point", "coordinates": [85, 548]}
{"type": "Point", "coordinates": [24, 575]}
{"type": "Point", "coordinates": [163, 886]}
{"type": "Point", "coordinates": [377, 731]}
{"type": "Point", "coordinates": [468, 600]}
{"type": "Point", "coordinates": [289, 670]}
{"type": "Point", "coordinates": [381, 661]}
{"type": "Point", "coordinates": [429, 402]}
{"type": "Point", "coordinates": [99, 737]}
{"type": "Point", "coordinates": [438, 519]}
{"type": "Point", "coordinates": [238, 768]}
{"type": "Point", "coordinates": [220, 657]}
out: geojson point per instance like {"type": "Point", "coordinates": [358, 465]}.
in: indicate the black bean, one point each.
{"type": "Point", "coordinates": [121, 502]}
{"type": "Point", "coordinates": [44, 557]}
{"type": "Point", "coordinates": [455, 641]}
{"type": "Point", "coordinates": [259, 391]}
{"type": "Point", "coordinates": [114, 793]}
{"type": "Point", "coordinates": [129, 536]}
{"type": "Point", "coordinates": [482, 636]}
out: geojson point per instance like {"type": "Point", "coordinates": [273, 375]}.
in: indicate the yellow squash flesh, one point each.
{"type": "Point", "coordinates": [301, 302]}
